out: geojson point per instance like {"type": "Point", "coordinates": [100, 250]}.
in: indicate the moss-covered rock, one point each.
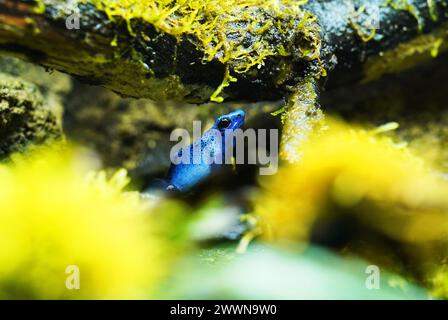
{"type": "Point", "coordinates": [30, 106]}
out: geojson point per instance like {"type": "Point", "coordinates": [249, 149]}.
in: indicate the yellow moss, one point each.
{"type": "Point", "coordinates": [436, 47]}
{"type": "Point", "coordinates": [405, 5]}
{"type": "Point", "coordinates": [349, 166]}
{"type": "Point", "coordinates": [433, 10]}
{"type": "Point", "coordinates": [300, 118]}
{"type": "Point", "coordinates": [53, 216]}
{"type": "Point", "coordinates": [407, 54]}
{"type": "Point", "coordinates": [363, 34]}
{"type": "Point", "coordinates": [439, 281]}
{"type": "Point", "coordinates": [365, 179]}
{"type": "Point", "coordinates": [215, 97]}
{"type": "Point", "coordinates": [235, 32]}
{"type": "Point", "coordinates": [40, 7]}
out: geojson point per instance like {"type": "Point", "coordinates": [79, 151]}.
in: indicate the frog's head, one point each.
{"type": "Point", "coordinates": [230, 121]}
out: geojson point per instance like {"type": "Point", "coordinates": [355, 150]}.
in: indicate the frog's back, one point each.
{"type": "Point", "coordinates": [205, 155]}
{"type": "Point", "coordinates": [185, 175]}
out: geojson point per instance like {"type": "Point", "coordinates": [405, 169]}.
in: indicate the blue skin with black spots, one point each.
{"type": "Point", "coordinates": [183, 177]}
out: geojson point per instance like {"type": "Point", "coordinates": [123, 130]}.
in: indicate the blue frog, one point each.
{"type": "Point", "coordinates": [187, 174]}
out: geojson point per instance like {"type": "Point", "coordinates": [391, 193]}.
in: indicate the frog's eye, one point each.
{"type": "Point", "coordinates": [223, 123]}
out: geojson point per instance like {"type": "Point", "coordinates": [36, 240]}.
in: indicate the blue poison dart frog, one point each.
{"type": "Point", "coordinates": [184, 176]}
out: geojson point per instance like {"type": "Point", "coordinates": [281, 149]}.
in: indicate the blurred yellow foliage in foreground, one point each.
{"type": "Point", "coordinates": [389, 198]}
{"type": "Point", "coordinates": [54, 215]}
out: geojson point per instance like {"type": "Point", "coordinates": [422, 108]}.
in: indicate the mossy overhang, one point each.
{"type": "Point", "coordinates": [243, 57]}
